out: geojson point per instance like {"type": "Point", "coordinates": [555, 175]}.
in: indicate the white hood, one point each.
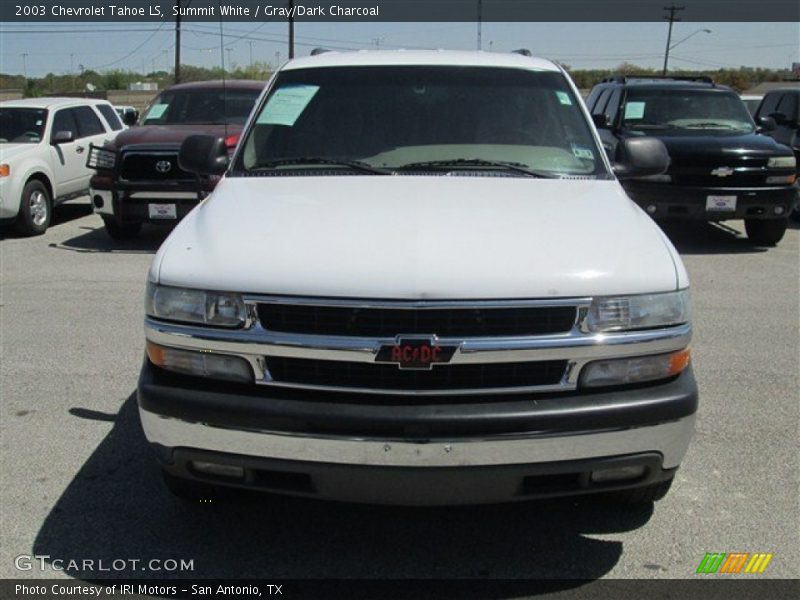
{"type": "Point", "coordinates": [9, 151]}
{"type": "Point", "coordinates": [418, 237]}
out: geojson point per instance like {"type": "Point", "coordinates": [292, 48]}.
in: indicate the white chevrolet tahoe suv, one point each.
{"type": "Point", "coordinates": [419, 281]}
{"type": "Point", "coordinates": [44, 143]}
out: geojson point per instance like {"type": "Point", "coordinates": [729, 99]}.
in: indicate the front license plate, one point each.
{"type": "Point", "coordinates": [720, 203]}
{"type": "Point", "coordinates": [162, 211]}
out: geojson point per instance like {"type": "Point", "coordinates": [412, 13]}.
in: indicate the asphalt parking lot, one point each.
{"type": "Point", "coordinates": [78, 481]}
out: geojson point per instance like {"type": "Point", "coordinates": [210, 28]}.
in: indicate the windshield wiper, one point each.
{"type": "Point", "coordinates": [439, 165]}
{"type": "Point", "coordinates": [356, 165]}
{"type": "Point", "coordinates": [710, 125]}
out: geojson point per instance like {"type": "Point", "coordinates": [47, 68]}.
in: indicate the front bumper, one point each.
{"type": "Point", "coordinates": [128, 206]}
{"type": "Point", "coordinates": [667, 201]}
{"type": "Point", "coordinates": [453, 452]}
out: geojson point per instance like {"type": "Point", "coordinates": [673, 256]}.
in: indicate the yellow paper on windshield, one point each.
{"type": "Point", "coordinates": [286, 105]}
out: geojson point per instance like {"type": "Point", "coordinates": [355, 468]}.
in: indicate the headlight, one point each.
{"type": "Point", "coordinates": [624, 371]}
{"type": "Point", "coordinates": [195, 306]}
{"type": "Point", "coordinates": [782, 162]}
{"type": "Point", "coordinates": [645, 311]}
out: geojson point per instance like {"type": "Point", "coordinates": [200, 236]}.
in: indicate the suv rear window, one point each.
{"type": "Point", "coordinates": [110, 116]}
{"type": "Point", "coordinates": [393, 116]}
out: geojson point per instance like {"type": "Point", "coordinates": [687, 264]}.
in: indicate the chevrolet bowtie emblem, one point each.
{"type": "Point", "coordinates": [722, 172]}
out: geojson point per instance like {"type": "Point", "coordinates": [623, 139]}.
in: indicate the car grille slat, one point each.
{"type": "Point", "coordinates": [390, 322]}
{"type": "Point", "coordinates": [373, 376]}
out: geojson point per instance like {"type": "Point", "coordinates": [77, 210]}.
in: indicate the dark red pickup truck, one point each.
{"type": "Point", "coordinates": [138, 179]}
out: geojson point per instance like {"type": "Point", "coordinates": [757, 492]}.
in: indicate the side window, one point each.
{"type": "Point", "coordinates": [612, 108]}
{"type": "Point", "coordinates": [768, 105]}
{"type": "Point", "coordinates": [110, 115]}
{"type": "Point", "coordinates": [788, 105]}
{"type": "Point", "coordinates": [88, 121]}
{"type": "Point", "coordinates": [601, 102]}
{"type": "Point", "coordinates": [64, 121]}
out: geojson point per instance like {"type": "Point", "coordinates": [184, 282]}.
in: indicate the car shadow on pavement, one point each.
{"type": "Point", "coordinates": [63, 213]}
{"type": "Point", "coordinates": [116, 507]}
{"type": "Point", "coordinates": [97, 240]}
{"type": "Point", "coordinates": [693, 237]}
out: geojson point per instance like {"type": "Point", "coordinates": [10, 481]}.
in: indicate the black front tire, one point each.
{"type": "Point", "coordinates": [35, 209]}
{"type": "Point", "coordinates": [121, 232]}
{"type": "Point", "coordinates": [765, 232]}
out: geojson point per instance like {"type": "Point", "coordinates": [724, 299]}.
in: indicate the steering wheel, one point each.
{"type": "Point", "coordinates": [29, 134]}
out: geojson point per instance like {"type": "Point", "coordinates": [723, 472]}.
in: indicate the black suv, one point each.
{"type": "Point", "coordinates": [783, 107]}
{"type": "Point", "coordinates": [721, 167]}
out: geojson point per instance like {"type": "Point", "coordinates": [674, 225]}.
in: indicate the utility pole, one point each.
{"type": "Point", "coordinates": [671, 18]}
{"type": "Point", "coordinates": [229, 49]}
{"type": "Point", "coordinates": [24, 56]}
{"type": "Point", "coordinates": [250, 43]}
{"type": "Point", "coordinates": [277, 60]}
{"type": "Point", "coordinates": [178, 41]}
{"type": "Point", "coordinates": [72, 70]}
{"type": "Point", "coordinates": [480, 22]}
{"type": "Point", "coordinates": [291, 29]}
{"type": "Point", "coordinates": [377, 41]}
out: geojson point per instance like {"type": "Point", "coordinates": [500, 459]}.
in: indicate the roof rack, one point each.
{"type": "Point", "coordinates": [317, 51]}
{"type": "Point", "coordinates": [522, 51]}
{"type": "Point", "coordinates": [627, 78]}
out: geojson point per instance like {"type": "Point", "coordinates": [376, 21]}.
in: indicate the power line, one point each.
{"type": "Point", "coordinates": [132, 52]}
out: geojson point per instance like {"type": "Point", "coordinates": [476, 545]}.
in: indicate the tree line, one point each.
{"type": "Point", "coordinates": [740, 79]}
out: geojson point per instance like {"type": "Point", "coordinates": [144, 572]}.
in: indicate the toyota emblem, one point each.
{"type": "Point", "coordinates": [163, 166]}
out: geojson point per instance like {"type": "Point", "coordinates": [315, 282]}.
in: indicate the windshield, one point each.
{"type": "Point", "coordinates": [185, 107]}
{"type": "Point", "coordinates": [22, 125]}
{"type": "Point", "coordinates": [422, 118]}
{"type": "Point", "coordinates": [685, 111]}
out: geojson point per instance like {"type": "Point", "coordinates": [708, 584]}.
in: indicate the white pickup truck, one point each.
{"type": "Point", "coordinates": [44, 143]}
{"type": "Point", "coordinates": [419, 281]}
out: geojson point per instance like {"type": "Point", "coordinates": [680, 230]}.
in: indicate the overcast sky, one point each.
{"type": "Point", "coordinates": [54, 47]}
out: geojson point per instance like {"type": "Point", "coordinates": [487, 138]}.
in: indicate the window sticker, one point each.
{"type": "Point", "coordinates": [634, 110]}
{"type": "Point", "coordinates": [287, 104]}
{"type": "Point", "coordinates": [563, 97]}
{"type": "Point", "coordinates": [39, 123]}
{"type": "Point", "coordinates": [156, 111]}
{"type": "Point", "coordinates": [582, 152]}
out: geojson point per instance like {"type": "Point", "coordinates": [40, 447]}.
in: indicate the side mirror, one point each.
{"type": "Point", "coordinates": [641, 157]}
{"type": "Point", "coordinates": [63, 137]}
{"type": "Point", "coordinates": [601, 121]}
{"type": "Point", "coordinates": [129, 118]}
{"type": "Point", "coordinates": [766, 123]}
{"type": "Point", "coordinates": [203, 155]}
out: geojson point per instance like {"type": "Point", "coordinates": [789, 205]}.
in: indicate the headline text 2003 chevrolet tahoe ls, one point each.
{"type": "Point", "coordinates": [420, 282]}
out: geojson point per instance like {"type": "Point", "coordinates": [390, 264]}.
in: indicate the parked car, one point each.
{"type": "Point", "coordinates": [780, 108]}
{"type": "Point", "coordinates": [721, 167]}
{"type": "Point", "coordinates": [138, 179]}
{"type": "Point", "coordinates": [751, 101]}
{"type": "Point", "coordinates": [128, 114]}
{"type": "Point", "coordinates": [43, 144]}
{"type": "Point", "coordinates": [419, 281]}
